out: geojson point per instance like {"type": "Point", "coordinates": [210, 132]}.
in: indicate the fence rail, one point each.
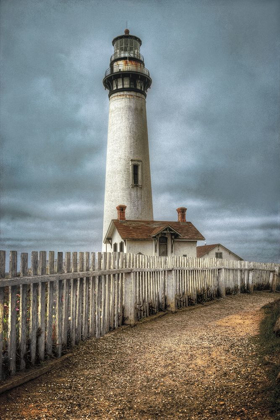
{"type": "Point", "coordinates": [52, 304]}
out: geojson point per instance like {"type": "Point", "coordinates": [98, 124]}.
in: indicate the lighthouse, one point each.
{"type": "Point", "coordinates": [128, 177]}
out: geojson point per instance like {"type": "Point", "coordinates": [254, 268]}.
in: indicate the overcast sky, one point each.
{"type": "Point", "coordinates": [213, 119]}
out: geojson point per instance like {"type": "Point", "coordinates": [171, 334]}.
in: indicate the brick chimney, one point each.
{"type": "Point", "coordinates": [121, 211]}
{"type": "Point", "coordinates": [182, 214]}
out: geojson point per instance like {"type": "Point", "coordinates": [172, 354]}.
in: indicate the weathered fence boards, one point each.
{"type": "Point", "coordinates": [52, 304]}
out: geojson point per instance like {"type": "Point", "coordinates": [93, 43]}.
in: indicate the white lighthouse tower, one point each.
{"type": "Point", "coordinates": [128, 178]}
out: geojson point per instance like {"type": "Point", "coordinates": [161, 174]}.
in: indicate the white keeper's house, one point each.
{"type": "Point", "coordinates": [151, 237]}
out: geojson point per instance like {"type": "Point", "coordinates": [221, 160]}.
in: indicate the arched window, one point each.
{"type": "Point", "coordinates": [163, 246]}
{"type": "Point", "coordinates": [121, 247]}
{"type": "Point", "coordinates": [115, 247]}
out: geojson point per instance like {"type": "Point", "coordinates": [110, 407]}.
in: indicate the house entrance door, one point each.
{"type": "Point", "coordinates": [163, 246]}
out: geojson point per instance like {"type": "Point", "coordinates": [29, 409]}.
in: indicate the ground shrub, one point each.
{"type": "Point", "coordinates": [269, 352]}
{"type": "Point", "coordinates": [262, 286]}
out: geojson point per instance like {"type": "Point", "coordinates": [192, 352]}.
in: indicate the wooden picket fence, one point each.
{"type": "Point", "coordinates": [53, 304]}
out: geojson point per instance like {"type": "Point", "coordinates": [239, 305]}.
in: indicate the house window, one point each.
{"type": "Point", "coordinates": [121, 246]}
{"type": "Point", "coordinates": [219, 255]}
{"type": "Point", "coordinates": [136, 173]}
{"type": "Point", "coordinates": [115, 247]}
{"type": "Point", "coordinates": [163, 246]}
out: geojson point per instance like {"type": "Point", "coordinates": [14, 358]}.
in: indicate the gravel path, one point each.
{"type": "Point", "coordinates": [195, 364]}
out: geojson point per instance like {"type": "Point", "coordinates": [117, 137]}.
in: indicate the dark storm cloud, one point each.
{"type": "Point", "coordinates": [213, 117]}
{"type": "Point", "coordinates": [220, 138]}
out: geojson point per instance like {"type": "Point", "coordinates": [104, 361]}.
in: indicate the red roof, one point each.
{"type": "Point", "coordinates": [204, 249]}
{"type": "Point", "coordinates": [147, 229]}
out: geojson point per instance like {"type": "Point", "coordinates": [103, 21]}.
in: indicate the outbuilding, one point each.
{"type": "Point", "coordinates": [216, 251]}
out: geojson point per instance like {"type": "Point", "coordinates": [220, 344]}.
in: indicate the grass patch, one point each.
{"type": "Point", "coordinates": [269, 351]}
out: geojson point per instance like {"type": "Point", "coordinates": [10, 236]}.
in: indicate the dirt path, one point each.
{"type": "Point", "coordinates": [196, 364]}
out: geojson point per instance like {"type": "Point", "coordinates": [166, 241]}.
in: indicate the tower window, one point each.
{"type": "Point", "coordinates": [136, 173]}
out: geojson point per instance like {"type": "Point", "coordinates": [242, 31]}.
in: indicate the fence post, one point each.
{"type": "Point", "coordinates": [273, 279]}
{"type": "Point", "coordinates": [250, 283]}
{"type": "Point", "coordinates": [2, 276]}
{"type": "Point", "coordinates": [170, 290]}
{"type": "Point", "coordinates": [277, 275]}
{"type": "Point", "coordinates": [98, 295]}
{"type": "Point", "coordinates": [129, 299]}
{"type": "Point", "coordinates": [23, 311]}
{"type": "Point", "coordinates": [50, 305]}
{"type": "Point", "coordinates": [246, 275]}
{"type": "Point", "coordinates": [33, 308]}
{"type": "Point", "coordinates": [66, 284]}
{"type": "Point", "coordinates": [12, 338]}
{"type": "Point", "coordinates": [238, 276]}
{"type": "Point", "coordinates": [59, 305]}
{"type": "Point", "coordinates": [42, 306]}
{"type": "Point", "coordinates": [271, 282]}
{"type": "Point", "coordinates": [221, 282]}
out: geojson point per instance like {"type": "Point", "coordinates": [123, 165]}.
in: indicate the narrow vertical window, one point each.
{"type": "Point", "coordinates": [121, 246]}
{"type": "Point", "coordinates": [135, 174]}
{"type": "Point", "coordinates": [115, 247]}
